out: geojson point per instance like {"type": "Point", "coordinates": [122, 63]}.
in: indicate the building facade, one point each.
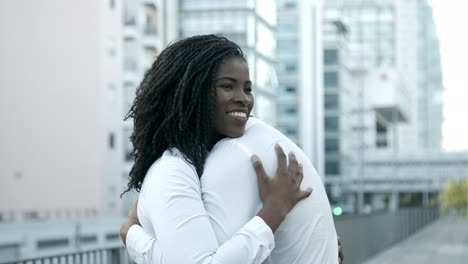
{"type": "Point", "coordinates": [251, 25]}
{"type": "Point", "coordinates": [144, 37]}
{"type": "Point", "coordinates": [61, 154]}
{"type": "Point", "coordinates": [299, 67]}
{"type": "Point", "coordinates": [430, 100]}
{"type": "Point", "coordinates": [287, 68]}
{"type": "Point", "coordinates": [396, 92]}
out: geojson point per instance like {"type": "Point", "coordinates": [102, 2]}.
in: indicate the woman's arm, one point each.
{"type": "Point", "coordinates": [173, 204]}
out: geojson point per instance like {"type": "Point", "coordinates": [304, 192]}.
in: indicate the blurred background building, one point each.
{"type": "Point", "coordinates": [383, 84]}
{"type": "Point", "coordinates": [61, 97]}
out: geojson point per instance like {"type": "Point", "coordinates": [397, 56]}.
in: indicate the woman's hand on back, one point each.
{"type": "Point", "coordinates": [281, 192]}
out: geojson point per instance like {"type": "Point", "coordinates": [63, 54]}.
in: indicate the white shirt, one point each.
{"type": "Point", "coordinates": [213, 220]}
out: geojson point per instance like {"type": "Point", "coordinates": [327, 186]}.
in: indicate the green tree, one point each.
{"type": "Point", "coordinates": [454, 196]}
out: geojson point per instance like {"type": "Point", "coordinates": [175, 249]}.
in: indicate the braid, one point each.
{"type": "Point", "coordinates": [174, 103]}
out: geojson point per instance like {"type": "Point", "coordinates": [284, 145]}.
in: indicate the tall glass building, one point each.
{"type": "Point", "coordinates": [339, 101]}
{"type": "Point", "coordinates": [288, 68]}
{"type": "Point", "coordinates": [249, 23]}
{"type": "Point", "coordinates": [430, 100]}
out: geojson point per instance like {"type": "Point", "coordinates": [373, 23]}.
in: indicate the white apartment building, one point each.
{"type": "Point", "coordinates": [396, 89]}
{"type": "Point", "coordinates": [61, 109]}
{"type": "Point", "coordinates": [147, 29]}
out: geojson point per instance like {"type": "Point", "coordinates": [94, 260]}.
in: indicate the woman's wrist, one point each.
{"type": "Point", "coordinates": [272, 216]}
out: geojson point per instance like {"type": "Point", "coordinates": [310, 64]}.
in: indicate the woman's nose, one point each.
{"type": "Point", "coordinates": [241, 97]}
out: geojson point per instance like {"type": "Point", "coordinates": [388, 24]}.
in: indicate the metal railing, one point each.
{"type": "Point", "coordinates": [114, 255]}
{"type": "Point", "coordinates": [366, 235]}
{"type": "Point", "coordinates": [362, 236]}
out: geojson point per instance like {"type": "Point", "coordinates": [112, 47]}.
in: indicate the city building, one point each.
{"type": "Point", "coordinates": [147, 29]}
{"type": "Point", "coordinates": [395, 85]}
{"type": "Point", "coordinates": [287, 67]}
{"type": "Point", "coordinates": [251, 25]}
{"type": "Point", "coordinates": [299, 68]}
{"type": "Point", "coordinates": [339, 103]}
{"type": "Point", "coordinates": [430, 101]}
{"type": "Point", "coordinates": [61, 105]}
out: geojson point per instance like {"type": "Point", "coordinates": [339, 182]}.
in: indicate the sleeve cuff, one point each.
{"type": "Point", "coordinates": [138, 243]}
{"type": "Point", "coordinates": [259, 229]}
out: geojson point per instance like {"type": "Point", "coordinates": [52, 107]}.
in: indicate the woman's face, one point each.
{"type": "Point", "coordinates": [234, 100]}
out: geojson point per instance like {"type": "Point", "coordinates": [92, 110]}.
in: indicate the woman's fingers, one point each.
{"type": "Point", "coordinates": [282, 166]}
{"type": "Point", "coordinates": [340, 251]}
{"type": "Point", "coordinates": [258, 167]}
{"type": "Point", "coordinates": [293, 167]}
{"type": "Point", "coordinates": [304, 193]}
{"type": "Point", "coordinates": [300, 174]}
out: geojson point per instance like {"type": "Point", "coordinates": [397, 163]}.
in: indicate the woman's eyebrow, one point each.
{"type": "Point", "coordinates": [226, 78]}
{"type": "Point", "coordinates": [231, 79]}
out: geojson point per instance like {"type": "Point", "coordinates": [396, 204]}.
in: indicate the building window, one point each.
{"type": "Point", "coordinates": [291, 110]}
{"type": "Point", "coordinates": [112, 46]}
{"type": "Point", "coordinates": [52, 243]}
{"type": "Point", "coordinates": [111, 140]}
{"type": "Point", "coordinates": [380, 128]}
{"type": "Point", "coordinates": [291, 132]}
{"type": "Point", "coordinates": [289, 5]}
{"type": "Point", "coordinates": [332, 145]}
{"type": "Point", "coordinates": [330, 101]}
{"type": "Point", "coordinates": [112, 91]}
{"type": "Point", "coordinates": [381, 143]}
{"type": "Point", "coordinates": [88, 239]}
{"type": "Point", "coordinates": [330, 79]}
{"type": "Point", "coordinates": [381, 135]}
{"type": "Point", "coordinates": [290, 89]}
{"type": "Point", "coordinates": [128, 145]}
{"type": "Point", "coordinates": [112, 236]}
{"type": "Point", "coordinates": [287, 109]}
{"type": "Point", "coordinates": [330, 57]}
{"type": "Point", "coordinates": [331, 123]}
{"type": "Point", "coordinates": [31, 215]}
{"type": "Point", "coordinates": [332, 167]}
{"type": "Point", "coordinates": [290, 68]}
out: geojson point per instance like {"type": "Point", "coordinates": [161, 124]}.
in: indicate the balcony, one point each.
{"type": "Point", "coordinates": [151, 2]}
{"type": "Point", "coordinates": [130, 19]}
{"type": "Point", "coordinates": [385, 93]}
{"type": "Point", "coordinates": [150, 36]}
{"type": "Point", "coordinates": [130, 26]}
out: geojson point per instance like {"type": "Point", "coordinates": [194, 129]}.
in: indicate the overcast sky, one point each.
{"type": "Point", "coordinates": [452, 20]}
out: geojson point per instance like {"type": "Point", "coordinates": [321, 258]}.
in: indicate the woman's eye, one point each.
{"type": "Point", "coordinates": [248, 90]}
{"type": "Point", "coordinates": [226, 86]}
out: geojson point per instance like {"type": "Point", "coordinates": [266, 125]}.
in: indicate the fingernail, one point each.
{"type": "Point", "coordinates": [253, 158]}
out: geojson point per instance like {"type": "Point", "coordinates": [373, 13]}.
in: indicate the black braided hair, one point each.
{"type": "Point", "coordinates": [174, 103]}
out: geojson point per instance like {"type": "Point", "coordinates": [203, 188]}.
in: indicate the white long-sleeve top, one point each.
{"type": "Point", "coordinates": [229, 202]}
{"type": "Point", "coordinates": [171, 209]}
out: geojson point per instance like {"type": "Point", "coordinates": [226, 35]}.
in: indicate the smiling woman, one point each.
{"type": "Point", "coordinates": [234, 99]}
{"type": "Point", "coordinates": [197, 92]}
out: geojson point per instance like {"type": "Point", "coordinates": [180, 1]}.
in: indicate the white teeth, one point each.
{"type": "Point", "coordinates": [238, 114]}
